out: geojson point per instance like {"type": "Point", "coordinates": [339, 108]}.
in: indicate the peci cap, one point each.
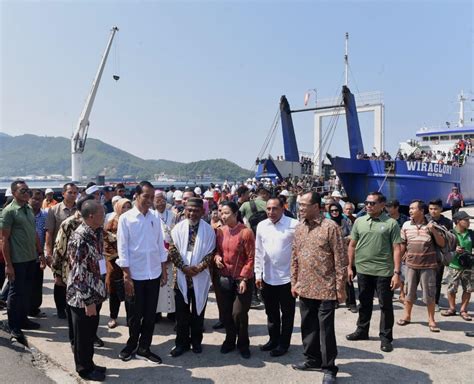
{"type": "Point", "coordinates": [461, 215]}
{"type": "Point", "coordinates": [194, 202]}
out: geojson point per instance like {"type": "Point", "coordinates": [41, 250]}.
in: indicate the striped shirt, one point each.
{"type": "Point", "coordinates": [420, 249]}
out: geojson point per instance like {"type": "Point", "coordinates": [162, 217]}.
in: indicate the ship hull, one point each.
{"type": "Point", "coordinates": [404, 180]}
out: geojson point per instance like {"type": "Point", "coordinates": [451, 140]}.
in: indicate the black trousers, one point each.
{"type": "Point", "coordinates": [19, 294]}
{"type": "Point", "coordinates": [84, 329]}
{"type": "Point", "coordinates": [439, 280]}
{"type": "Point", "coordinates": [367, 286]}
{"type": "Point", "coordinates": [60, 297]}
{"type": "Point", "coordinates": [350, 291]}
{"type": "Point", "coordinates": [278, 298]}
{"type": "Point", "coordinates": [235, 315]}
{"type": "Point", "coordinates": [141, 311]}
{"type": "Point", "coordinates": [317, 332]}
{"type": "Point", "coordinates": [36, 290]}
{"type": "Point", "coordinates": [114, 304]}
{"type": "Point", "coordinates": [189, 324]}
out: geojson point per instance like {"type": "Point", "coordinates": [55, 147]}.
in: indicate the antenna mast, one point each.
{"type": "Point", "coordinates": [346, 61]}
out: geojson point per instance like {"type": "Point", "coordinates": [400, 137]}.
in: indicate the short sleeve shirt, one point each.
{"type": "Point", "coordinates": [421, 252]}
{"type": "Point", "coordinates": [374, 250]}
{"type": "Point", "coordinates": [20, 220]}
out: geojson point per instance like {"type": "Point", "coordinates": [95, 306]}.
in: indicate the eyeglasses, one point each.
{"type": "Point", "coordinates": [334, 210]}
{"type": "Point", "coordinates": [24, 190]}
{"type": "Point", "coordinates": [371, 203]}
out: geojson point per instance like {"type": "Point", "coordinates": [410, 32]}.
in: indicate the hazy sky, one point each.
{"type": "Point", "coordinates": [202, 80]}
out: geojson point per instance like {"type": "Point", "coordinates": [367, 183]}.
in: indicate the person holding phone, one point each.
{"type": "Point", "coordinates": [235, 251]}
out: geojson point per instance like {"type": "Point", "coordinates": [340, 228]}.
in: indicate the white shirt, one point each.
{"type": "Point", "coordinates": [140, 244]}
{"type": "Point", "coordinates": [273, 244]}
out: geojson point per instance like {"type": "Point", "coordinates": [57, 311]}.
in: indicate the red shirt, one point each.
{"type": "Point", "coordinates": [236, 246]}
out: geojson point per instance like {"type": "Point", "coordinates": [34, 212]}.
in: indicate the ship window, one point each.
{"type": "Point", "coordinates": [456, 137]}
{"type": "Point", "coordinates": [469, 136]}
{"type": "Point", "coordinates": [434, 138]}
{"type": "Point", "coordinates": [426, 138]}
{"type": "Point", "coordinates": [444, 137]}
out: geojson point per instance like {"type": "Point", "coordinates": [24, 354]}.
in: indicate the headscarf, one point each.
{"type": "Point", "coordinates": [118, 207]}
{"type": "Point", "coordinates": [337, 219]}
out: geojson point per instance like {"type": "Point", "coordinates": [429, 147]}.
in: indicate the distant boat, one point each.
{"type": "Point", "coordinates": [163, 178]}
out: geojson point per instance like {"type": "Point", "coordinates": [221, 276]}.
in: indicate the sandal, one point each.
{"type": "Point", "coordinates": [465, 316]}
{"type": "Point", "coordinates": [434, 328]}
{"type": "Point", "coordinates": [448, 312]}
{"type": "Point", "coordinates": [403, 322]}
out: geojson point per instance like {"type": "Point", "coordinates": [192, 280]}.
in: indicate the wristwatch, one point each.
{"type": "Point", "coordinates": [397, 273]}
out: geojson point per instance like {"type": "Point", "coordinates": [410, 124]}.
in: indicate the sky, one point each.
{"type": "Point", "coordinates": [202, 79]}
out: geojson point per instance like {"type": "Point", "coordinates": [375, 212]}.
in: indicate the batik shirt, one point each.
{"type": "Point", "coordinates": [84, 283]}
{"type": "Point", "coordinates": [60, 263]}
{"type": "Point", "coordinates": [319, 261]}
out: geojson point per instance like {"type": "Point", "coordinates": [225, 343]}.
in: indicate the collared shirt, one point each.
{"type": "Point", "coordinates": [84, 283]}
{"type": "Point", "coordinates": [319, 261]}
{"type": "Point", "coordinates": [246, 208]}
{"type": "Point", "coordinates": [466, 241]}
{"type": "Point", "coordinates": [420, 251]}
{"type": "Point", "coordinates": [273, 245]}
{"type": "Point", "coordinates": [140, 244]}
{"type": "Point", "coordinates": [48, 204]}
{"type": "Point", "coordinates": [40, 224]}
{"type": "Point", "coordinates": [56, 215]}
{"type": "Point", "coordinates": [20, 220]}
{"type": "Point", "coordinates": [375, 238]}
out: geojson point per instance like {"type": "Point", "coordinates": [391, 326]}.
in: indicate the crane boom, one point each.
{"type": "Point", "coordinates": [78, 140]}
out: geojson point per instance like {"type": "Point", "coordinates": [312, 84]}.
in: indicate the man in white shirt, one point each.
{"type": "Point", "coordinates": [142, 257]}
{"type": "Point", "coordinates": [272, 273]}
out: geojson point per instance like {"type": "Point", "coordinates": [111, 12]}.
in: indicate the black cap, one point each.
{"type": "Point", "coordinates": [108, 188]}
{"type": "Point", "coordinates": [393, 203]}
{"type": "Point", "coordinates": [461, 215]}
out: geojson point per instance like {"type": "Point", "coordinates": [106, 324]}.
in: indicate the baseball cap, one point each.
{"type": "Point", "coordinates": [336, 194]}
{"type": "Point", "coordinates": [108, 188]}
{"type": "Point", "coordinates": [461, 215]}
{"type": "Point", "coordinates": [48, 190]}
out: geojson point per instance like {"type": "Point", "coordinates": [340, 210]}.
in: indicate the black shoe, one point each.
{"type": "Point", "coordinates": [255, 304]}
{"type": "Point", "coordinates": [29, 325]}
{"type": "Point", "coordinates": [226, 348]}
{"type": "Point", "coordinates": [38, 315]}
{"type": "Point", "coordinates": [146, 354]}
{"type": "Point", "coordinates": [197, 348]}
{"type": "Point", "coordinates": [19, 337]}
{"type": "Point", "coordinates": [357, 335]}
{"type": "Point", "coordinates": [270, 345]}
{"type": "Point", "coordinates": [100, 368]}
{"type": "Point", "coordinates": [218, 325]}
{"type": "Point", "coordinates": [245, 353]}
{"type": "Point", "coordinates": [386, 346]}
{"type": "Point", "coordinates": [94, 375]}
{"type": "Point", "coordinates": [306, 366]}
{"type": "Point", "coordinates": [126, 353]}
{"type": "Point", "coordinates": [469, 333]}
{"type": "Point", "coordinates": [178, 351]}
{"type": "Point", "coordinates": [171, 316]}
{"type": "Point", "coordinates": [278, 351]}
{"type": "Point", "coordinates": [329, 378]}
{"type": "Point", "coordinates": [98, 342]}
{"type": "Point", "coordinates": [353, 308]}
{"type": "Point", "coordinates": [158, 317]}
{"type": "Point", "coordinates": [62, 315]}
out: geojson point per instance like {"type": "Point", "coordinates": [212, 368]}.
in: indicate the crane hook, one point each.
{"type": "Point", "coordinates": [116, 77]}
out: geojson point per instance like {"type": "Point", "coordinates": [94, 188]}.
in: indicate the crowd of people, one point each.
{"type": "Point", "coordinates": [160, 251]}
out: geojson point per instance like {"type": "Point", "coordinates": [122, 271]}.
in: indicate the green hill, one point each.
{"type": "Point", "coordinates": [41, 155]}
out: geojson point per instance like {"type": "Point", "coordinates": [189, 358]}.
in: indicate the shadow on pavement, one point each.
{"type": "Point", "coordinates": [154, 374]}
{"type": "Point", "coordinates": [377, 372]}
{"type": "Point", "coordinates": [437, 347]}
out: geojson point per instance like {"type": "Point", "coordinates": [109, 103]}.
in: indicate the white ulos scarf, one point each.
{"type": "Point", "coordinates": [204, 244]}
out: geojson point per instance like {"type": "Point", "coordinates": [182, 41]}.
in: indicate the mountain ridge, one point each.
{"type": "Point", "coordinates": [46, 155]}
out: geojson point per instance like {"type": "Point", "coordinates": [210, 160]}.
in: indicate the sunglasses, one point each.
{"type": "Point", "coordinates": [334, 210]}
{"type": "Point", "coordinates": [371, 203]}
{"type": "Point", "coordinates": [24, 190]}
